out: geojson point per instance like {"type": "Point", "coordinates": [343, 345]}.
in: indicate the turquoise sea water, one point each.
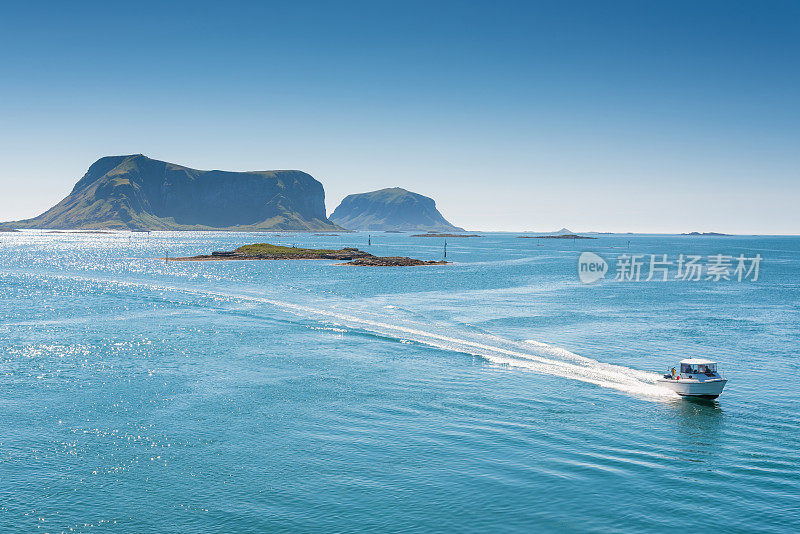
{"type": "Point", "coordinates": [495, 394]}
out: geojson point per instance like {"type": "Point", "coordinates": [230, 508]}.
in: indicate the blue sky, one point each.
{"type": "Point", "coordinates": [611, 116]}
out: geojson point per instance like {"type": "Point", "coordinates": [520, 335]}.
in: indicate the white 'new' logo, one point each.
{"type": "Point", "coordinates": [591, 267]}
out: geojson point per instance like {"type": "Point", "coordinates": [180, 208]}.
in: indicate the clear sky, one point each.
{"type": "Point", "coordinates": [637, 116]}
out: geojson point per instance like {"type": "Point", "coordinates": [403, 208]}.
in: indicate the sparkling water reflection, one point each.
{"type": "Point", "coordinates": [497, 393]}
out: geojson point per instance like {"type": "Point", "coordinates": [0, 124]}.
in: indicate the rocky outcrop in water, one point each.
{"type": "Point", "coordinates": [392, 261]}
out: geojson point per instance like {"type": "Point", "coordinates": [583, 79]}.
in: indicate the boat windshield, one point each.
{"type": "Point", "coordinates": [704, 368]}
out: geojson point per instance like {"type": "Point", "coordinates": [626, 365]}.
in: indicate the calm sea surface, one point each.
{"type": "Point", "coordinates": [497, 394]}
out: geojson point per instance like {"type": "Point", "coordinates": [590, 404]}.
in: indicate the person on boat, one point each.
{"type": "Point", "coordinates": [673, 372]}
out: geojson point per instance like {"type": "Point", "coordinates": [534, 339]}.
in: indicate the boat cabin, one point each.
{"type": "Point", "coordinates": [697, 366]}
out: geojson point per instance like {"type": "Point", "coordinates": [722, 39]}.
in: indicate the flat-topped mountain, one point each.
{"type": "Point", "coordinates": [138, 193]}
{"type": "Point", "coordinates": [390, 209]}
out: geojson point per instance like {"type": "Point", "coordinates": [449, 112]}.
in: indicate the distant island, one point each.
{"type": "Point", "coordinates": [79, 232]}
{"type": "Point", "coordinates": [135, 192]}
{"type": "Point", "coordinates": [352, 256]}
{"type": "Point", "coordinates": [562, 231]}
{"type": "Point", "coordinates": [706, 234]}
{"type": "Point", "coordinates": [392, 209]}
{"type": "Point", "coordinates": [560, 236]}
{"type": "Point", "coordinates": [434, 234]}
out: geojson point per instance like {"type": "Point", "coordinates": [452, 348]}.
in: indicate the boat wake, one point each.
{"type": "Point", "coordinates": [530, 354]}
{"type": "Point", "coordinates": [394, 323]}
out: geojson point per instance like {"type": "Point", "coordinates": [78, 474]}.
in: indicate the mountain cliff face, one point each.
{"type": "Point", "coordinates": [390, 209]}
{"type": "Point", "coordinates": [138, 193]}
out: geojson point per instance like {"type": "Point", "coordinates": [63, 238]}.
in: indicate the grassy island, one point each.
{"type": "Point", "coordinates": [267, 251]}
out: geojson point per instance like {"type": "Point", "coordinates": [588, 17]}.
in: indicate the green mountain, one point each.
{"type": "Point", "coordinates": [138, 193]}
{"type": "Point", "coordinates": [390, 209]}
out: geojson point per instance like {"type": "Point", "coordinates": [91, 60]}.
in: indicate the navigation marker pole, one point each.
{"type": "Point", "coordinates": [445, 248]}
{"type": "Point", "coordinates": [369, 240]}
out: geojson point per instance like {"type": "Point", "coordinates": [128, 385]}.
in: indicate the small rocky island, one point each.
{"type": "Point", "coordinates": [435, 234]}
{"type": "Point", "coordinates": [707, 234]}
{"type": "Point", "coordinates": [391, 261]}
{"type": "Point", "coordinates": [559, 236]}
{"type": "Point", "coordinates": [350, 256]}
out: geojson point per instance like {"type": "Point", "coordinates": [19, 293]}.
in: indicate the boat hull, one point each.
{"type": "Point", "coordinates": [703, 389]}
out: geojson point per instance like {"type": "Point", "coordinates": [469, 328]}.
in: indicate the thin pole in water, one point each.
{"type": "Point", "coordinates": [445, 248]}
{"type": "Point", "coordinates": [369, 240]}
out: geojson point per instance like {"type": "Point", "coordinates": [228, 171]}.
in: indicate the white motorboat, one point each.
{"type": "Point", "coordinates": [697, 378]}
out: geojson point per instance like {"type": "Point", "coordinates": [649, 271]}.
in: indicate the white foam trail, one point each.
{"type": "Point", "coordinates": [532, 355]}
{"type": "Point", "coordinates": [580, 368]}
